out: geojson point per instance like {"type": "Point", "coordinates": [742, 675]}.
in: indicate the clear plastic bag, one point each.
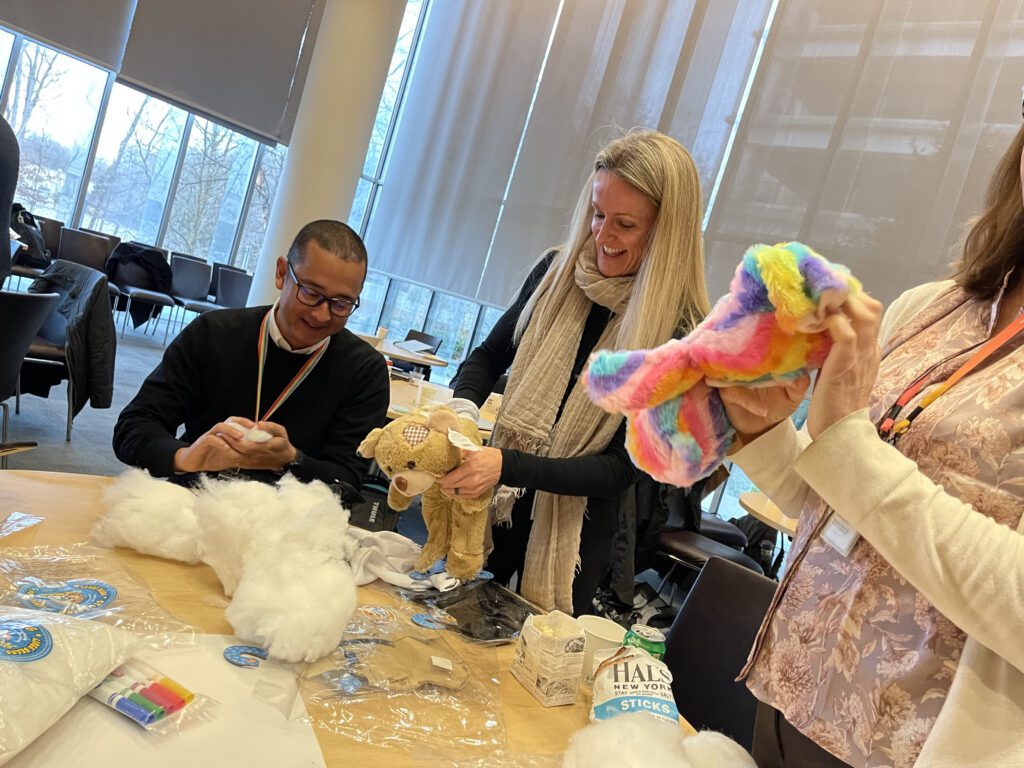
{"type": "Point", "coordinates": [150, 699]}
{"type": "Point", "coordinates": [393, 683]}
{"type": "Point", "coordinates": [48, 662]}
{"type": "Point", "coordinates": [17, 521]}
{"type": "Point", "coordinates": [87, 582]}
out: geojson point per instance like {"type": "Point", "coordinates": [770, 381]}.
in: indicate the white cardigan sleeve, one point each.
{"type": "Point", "coordinates": [969, 566]}
{"type": "Point", "coordinates": [768, 461]}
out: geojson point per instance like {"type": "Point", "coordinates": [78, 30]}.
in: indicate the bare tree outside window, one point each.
{"type": "Point", "coordinates": [52, 109]}
{"type": "Point", "coordinates": [211, 190]}
{"type": "Point", "coordinates": [134, 164]}
{"type": "Point", "coordinates": [260, 206]}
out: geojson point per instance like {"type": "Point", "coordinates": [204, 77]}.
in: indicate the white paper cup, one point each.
{"type": "Point", "coordinates": [599, 633]}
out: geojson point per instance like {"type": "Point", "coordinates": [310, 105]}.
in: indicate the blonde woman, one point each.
{"type": "Point", "coordinates": [630, 275]}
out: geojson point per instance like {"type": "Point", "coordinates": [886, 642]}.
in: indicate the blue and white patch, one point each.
{"type": "Point", "coordinates": [245, 655]}
{"type": "Point", "coordinates": [73, 596]}
{"type": "Point", "coordinates": [23, 641]}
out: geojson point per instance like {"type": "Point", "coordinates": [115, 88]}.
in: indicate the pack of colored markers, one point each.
{"type": "Point", "coordinates": [145, 695]}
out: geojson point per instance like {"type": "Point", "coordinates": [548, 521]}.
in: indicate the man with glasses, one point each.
{"type": "Point", "coordinates": [265, 390]}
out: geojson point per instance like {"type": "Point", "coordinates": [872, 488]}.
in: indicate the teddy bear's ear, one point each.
{"type": "Point", "coordinates": [442, 420]}
{"type": "Point", "coordinates": [369, 444]}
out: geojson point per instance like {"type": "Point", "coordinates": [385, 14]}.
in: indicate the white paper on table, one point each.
{"type": "Point", "coordinates": [245, 729]}
{"type": "Point", "coordinates": [414, 346]}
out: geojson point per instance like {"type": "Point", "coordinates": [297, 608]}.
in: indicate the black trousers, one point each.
{"type": "Point", "coordinates": [509, 553]}
{"type": "Point", "coordinates": [777, 744]}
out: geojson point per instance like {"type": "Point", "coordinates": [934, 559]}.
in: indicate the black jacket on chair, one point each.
{"type": "Point", "coordinates": [140, 266]}
{"type": "Point", "coordinates": [84, 325]}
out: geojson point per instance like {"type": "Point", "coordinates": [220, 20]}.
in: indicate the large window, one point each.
{"type": "Point", "coordinates": [208, 201]}
{"type": "Point", "coordinates": [154, 173]}
{"type": "Point", "coordinates": [52, 106]}
{"type": "Point", "coordinates": [268, 173]}
{"type": "Point", "coordinates": [452, 319]}
{"type": "Point", "coordinates": [134, 166]}
{"type": "Point", "coordinates": [371, 301]}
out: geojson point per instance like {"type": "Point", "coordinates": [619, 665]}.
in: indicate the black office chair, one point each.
{"type": "Point", "coordinates": [51, 229]}
{"type": "Point", "coordinates": [187, 256]}
{"type": "Point", "coordinates": [215, 280]}
{"type": "Point", "coordinates": [435, 344]}
{"type": "Point", "coordinates": [21, 316]}
{"type": "Point", "coordinates": [90, 249]}
{"type": "Point", "coordinates": [190, 281]}
{"type": "Point", "coordinates": [233, 288]}
{"type": "Point", "coordinates": [112, 240]}
{"type": "Point", "coordinates": [708, 645]}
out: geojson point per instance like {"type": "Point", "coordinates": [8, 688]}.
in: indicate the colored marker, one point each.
{"type": "Point", "coordinates": [142, 701]}
{"type": "Point", "coordinates": [141, 672]}
{"type": "Point", "coordinates": [110, 692]}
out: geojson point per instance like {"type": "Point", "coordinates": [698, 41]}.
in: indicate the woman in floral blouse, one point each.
{"type": "Point", "coordinates": [908, 650]}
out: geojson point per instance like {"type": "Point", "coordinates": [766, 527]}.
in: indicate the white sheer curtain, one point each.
{"type": "Point", "coordinates": [679, 67]}
{"type": "Point", "coordinates": [870, 134]}
{"type": "Point", "coordinates": [676, 65]}
{"type": "Point", "coordinates": [456, 139]}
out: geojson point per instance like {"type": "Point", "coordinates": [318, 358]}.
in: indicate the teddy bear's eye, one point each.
{"type": "Point", "coordinates": [389, 469]}
{"type": "Point", "coordinates": [411, 464]}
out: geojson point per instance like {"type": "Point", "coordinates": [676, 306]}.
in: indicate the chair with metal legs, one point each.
{"type": "Point", "coordinates": [21, 316]}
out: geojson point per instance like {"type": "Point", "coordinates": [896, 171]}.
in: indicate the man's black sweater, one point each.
{"type": "Point", "coordinates": [208, 373]}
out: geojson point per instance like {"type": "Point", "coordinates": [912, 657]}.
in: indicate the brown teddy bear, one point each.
{"type": "Point", "coordinates": [413, 451]}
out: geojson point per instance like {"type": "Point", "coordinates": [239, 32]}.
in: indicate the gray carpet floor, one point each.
{"type": "Point", "coordinates": [90, 451]}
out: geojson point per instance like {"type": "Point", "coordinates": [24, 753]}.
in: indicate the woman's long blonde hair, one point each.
{"type": "Point", "coordinates": [669, 290]}
{"type": "Point", "coordinates": [995, 239]}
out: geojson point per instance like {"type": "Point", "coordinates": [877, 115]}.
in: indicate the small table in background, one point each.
{"type": "Point", "coordinates": [425, 359]}
{"type": "Point", "coordinates": [760, 506]}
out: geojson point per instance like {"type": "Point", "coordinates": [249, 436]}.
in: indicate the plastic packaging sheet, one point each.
{"type": "Point", "coordinates": [87, 582]}
{"type": "Point", "coordinates": [391, 682]}
{"type": "Point", "coordinates": [481, 611]}
{"type": "Point", "coordinates": [17, 521]}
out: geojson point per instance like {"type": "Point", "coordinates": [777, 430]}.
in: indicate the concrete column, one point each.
{"type": "Point", "coordinates": [346, 77]}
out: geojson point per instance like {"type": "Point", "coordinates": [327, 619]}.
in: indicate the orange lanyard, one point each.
{"type": "Point", "coordinates": [890, 429]}
{"type": "Point", "coordinates": [299, 377]}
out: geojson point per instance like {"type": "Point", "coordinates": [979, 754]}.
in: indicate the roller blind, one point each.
{"type": "Point", "coordinates": [243, 62]}
{"type": "Point", "coordinates": [673, 65]}
{"type": "Point", "coordinates": [456, 139]}
{"type": "Point", "coordinates": [96, 30]}
{"type": "Point", "coordinates": [676, 65]}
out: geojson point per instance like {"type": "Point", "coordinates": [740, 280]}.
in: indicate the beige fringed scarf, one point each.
{"type": "Point", "coordinates": [526, 421]}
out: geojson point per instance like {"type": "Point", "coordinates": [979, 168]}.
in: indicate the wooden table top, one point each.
{"type": "Point", "coordinates": [70, 504]}
{"type": "Point", "coordinates": [391, 349]}
{"type": "Point", "coordinates": [761, 507]}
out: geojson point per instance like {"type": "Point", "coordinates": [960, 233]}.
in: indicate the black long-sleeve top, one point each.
{"type": "Point", "coordinates": [602, 477]}
{"type": "Point", "coordinates": [208, 373]}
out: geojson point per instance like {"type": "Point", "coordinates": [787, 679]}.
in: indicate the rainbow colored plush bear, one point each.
{"type": "Point", "coordinates": [769, 327]}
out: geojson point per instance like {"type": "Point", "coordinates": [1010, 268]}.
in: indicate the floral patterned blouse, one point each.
{"type": "Point", "coordinates": [852, 654]}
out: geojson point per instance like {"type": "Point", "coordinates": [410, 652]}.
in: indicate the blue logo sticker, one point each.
{"type": "Point", "coordinates": [239, 655]}
{"type": "Point", "coordinates": [23, 641]}
{"type": "Point", "coordinates": [427, 621]}
{"type": "Point", "coordinates": [71, 597]}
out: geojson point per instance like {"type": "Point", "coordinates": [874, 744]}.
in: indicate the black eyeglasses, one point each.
{"type": "Point", "coordinates": [313, 298]}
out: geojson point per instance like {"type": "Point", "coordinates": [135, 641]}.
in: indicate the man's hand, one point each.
{"type": "Point", "coordinates": [478, 472]}
{"type": "Point", "coordinates": [268, 454]}
{"type": "Point", "coordinates": [210, 453]}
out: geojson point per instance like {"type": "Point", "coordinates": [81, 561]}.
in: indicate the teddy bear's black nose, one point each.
{"type": "Point", "coordinates": [411, 464]}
